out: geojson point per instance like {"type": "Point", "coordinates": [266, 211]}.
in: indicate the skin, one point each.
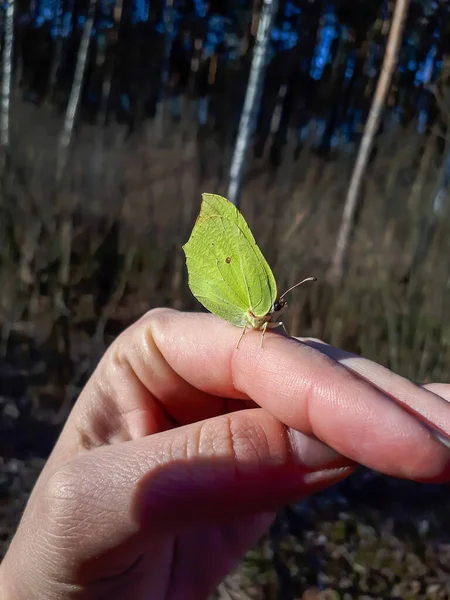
{"type": "Point", "coordinates": [181, 448]}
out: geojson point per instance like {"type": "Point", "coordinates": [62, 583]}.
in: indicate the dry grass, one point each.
{"type": "Point", "coordinates": [132, 203]}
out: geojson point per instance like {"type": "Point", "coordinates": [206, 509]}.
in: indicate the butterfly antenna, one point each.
{"type": "Point", "coordinates": [297, 284]}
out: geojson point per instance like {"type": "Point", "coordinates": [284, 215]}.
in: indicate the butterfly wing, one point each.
{"type": "Point", "coordinates": [227, 272]}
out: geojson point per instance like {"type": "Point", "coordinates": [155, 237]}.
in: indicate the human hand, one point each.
{"type": "Point", "coordinates": [181, 448]}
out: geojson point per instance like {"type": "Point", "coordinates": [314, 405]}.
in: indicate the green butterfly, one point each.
{"type": "Point", "coordinates": [228, 273]}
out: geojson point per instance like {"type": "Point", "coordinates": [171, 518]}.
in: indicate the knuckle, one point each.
{"type": "Point", "coordinates": [66, 502]}
{"type": "Point", "coordinates": [157, 319]}
{"type": "Point", "coordinates": [159, 312]}
{"type": "Point", "coordinates": [248, 439]}
{"type": "Point", "coordinates": [141, 334]}
{"type": "Point", "coordinates": [156, 324]}
{"type": "Point", "coordinates": [67, 515]}
{"type": "Point", "coordinates": [63, 491]}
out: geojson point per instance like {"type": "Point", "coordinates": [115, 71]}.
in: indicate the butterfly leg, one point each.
{"type": "Point", "coordinates": [242, 335]}
{"type": "Point", "coordinates": [285, 330]}
{"type": "Point", "coordinates": [279, 324]}
{"type": "Point", "coordinates": [263, 329]}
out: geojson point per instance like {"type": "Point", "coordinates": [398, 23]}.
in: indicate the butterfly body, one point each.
{"type": "Point", "coordinates": [227, 271]}
{"type": "Point", "coordinates": [257, 322]}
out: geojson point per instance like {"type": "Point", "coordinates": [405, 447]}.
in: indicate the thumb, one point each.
{"type": "Point", "coordinates": [103, 510]}
{"type": "Point", "coordinates": [232, 466]}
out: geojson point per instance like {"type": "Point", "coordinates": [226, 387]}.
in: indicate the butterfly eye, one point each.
{"type": "Point", "coordinates": [279, 304]}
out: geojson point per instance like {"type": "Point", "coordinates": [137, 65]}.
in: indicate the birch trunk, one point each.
{"type": "Point", "coordinates": [6, 219]}
{"type": "Point", "coordinates": [252, 100]}
{"type": "Point", "coordinates": [7, 68]}
{"type": "Point", "coordinates": [75, 92]}
{"type": "Point", "coordinates": [65, 226]}
{"type": "Point", "coordinates": [168, 42]}
{"type": "Point", "coordinates": [336, 272]}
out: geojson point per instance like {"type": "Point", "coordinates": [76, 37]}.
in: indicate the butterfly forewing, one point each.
{"type": "Point", "coordinates": [227, 272]}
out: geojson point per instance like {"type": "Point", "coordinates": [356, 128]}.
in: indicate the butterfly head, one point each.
{"type": "Point", "coordinates": [279, 306]}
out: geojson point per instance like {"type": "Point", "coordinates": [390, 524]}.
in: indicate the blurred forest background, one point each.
{"type": "Point", "coordinates": [116, 115]}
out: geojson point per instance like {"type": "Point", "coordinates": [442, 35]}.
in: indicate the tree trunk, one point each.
{"type": "Point", "coordinates": [7, 67]}
{"type": "Point", "coordinates": [75, 92]}
{"type": "Point", "coordinates": [57, 52]}
{"type": "Point", "coordinates": [387, 69]}
{"type": "Point", "coordinates": [65, 225]}
{"type": "Point", "coordinates": [252, 99]}
{"type": "Point", "coordinates": [6, 216]}
{"type": "Point", "coordinates": [169, 16]}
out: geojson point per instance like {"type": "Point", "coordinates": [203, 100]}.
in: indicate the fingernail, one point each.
{"type": "Point", "coordinates": [326, 475]}
{"type": "Point", "coordinates": [396, 390]}
{"type": "Point", "coordinates": [437, 434]}
{"type": "Point", "coordinates": [312, 453]}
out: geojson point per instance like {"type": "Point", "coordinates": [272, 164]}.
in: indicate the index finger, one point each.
{"type": "Point", "coordinates": [310, 392]}
{"type": "Point", "coordinates": [188, 365]}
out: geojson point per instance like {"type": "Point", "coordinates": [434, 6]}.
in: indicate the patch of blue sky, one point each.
{"type": "Point", "coordinates": [350, 66]}
{"type": "Point", "coordinates": [200, 8]}
{"type": "Point", "coordinates": [45, 11]}
{"type": "Point", "coordinates": [48, 11]}
{"type": "Point", "coordinates": [215, 34]}
{"type": "Point", "coordinates": [170, 20]}
{"type": "Point", "coordinates": [66, 24]}
{"type": "Point", "coordinates": [140, 11]}
{"type": "Point", "coordinates": [284, 37]}
{"type": "Point", "coordinates": [291, 10]}
{"type": "Point", "coordinates": [322, 52]}
{"type": "Point", "coordinates": [425, 71]}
